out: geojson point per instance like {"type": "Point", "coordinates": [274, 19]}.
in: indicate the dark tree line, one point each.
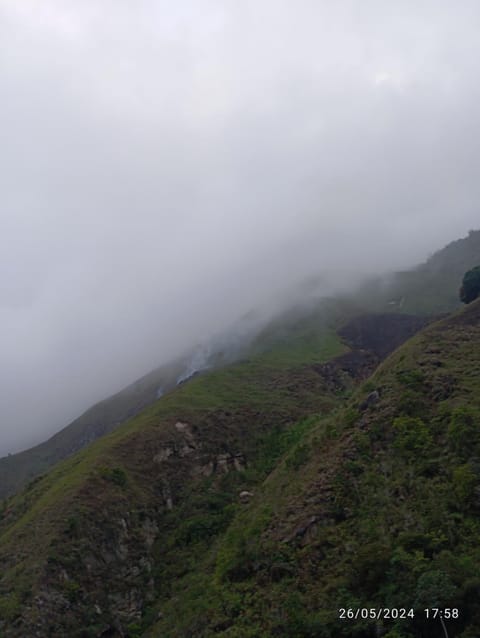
{"type": "Point", "coordinates": [470, 289]}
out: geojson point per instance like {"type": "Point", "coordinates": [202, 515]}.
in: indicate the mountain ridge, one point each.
{"type": "Point", "coordinates": [432, 293]}
{"type": "Point", "coordinates": [377, 507]}
{"type": "Point", "coordinates": [131, 507]}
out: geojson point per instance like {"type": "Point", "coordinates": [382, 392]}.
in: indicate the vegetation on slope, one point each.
{"type": "Point", "coordinates": [258, 499]}
{"type": "Point", "coordinates": [376, 507]}
{"type": "Point", "coordinates": [470, 289]}
{"type": "Point", "coordinates": [174, 472]}
{"type": "Point", "coordinates": [143, 508]}
{"type": "Point", "coordinates": [430, 289]}
{"type": "Point", "coordinates": [299, 337]}
{"type": "Point", "coordinates": [17, 469]}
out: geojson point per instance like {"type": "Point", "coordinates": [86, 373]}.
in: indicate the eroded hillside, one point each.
{"type": "Point", "coordinates": [429, 289]}
{"type": "Point", "coordinates": [377, 507]}
{"type": "Point", "coordinates": [92, 547]}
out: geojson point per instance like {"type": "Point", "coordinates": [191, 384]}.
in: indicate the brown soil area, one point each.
{"type": "Point", "coordinates": [381, 334]}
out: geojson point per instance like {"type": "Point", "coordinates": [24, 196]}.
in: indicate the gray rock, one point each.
{"type": "Point", "coordinates": [372, 399]}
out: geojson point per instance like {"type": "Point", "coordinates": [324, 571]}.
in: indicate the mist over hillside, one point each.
{"type": "Point", "coordinates": [329, 470]}
{"type": "Point", "coordinates": [167, 169]}
{"type": "Point", "coordinates": [301, 319]}
{"type": "Point", "coordinates": [239, 389]}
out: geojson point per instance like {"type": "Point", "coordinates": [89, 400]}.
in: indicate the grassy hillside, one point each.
{"type": "Point", "coordinates": [17, 469]}
{"type": "Point", "coordinates": [430, 289]}
{"type": "Point", "coordinates": [159, 516]}
{"type": "Point", "coordinates": [95, 517]}
{"type": "Point", "coordinates": [376, 506]}
{"type": "Point", "coordinates": [297, 337]}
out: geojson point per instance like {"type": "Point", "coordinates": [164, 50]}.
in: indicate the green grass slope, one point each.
{"type": "Point", "coordinates": [159, 515]}
{"type": "Point", "coordinates": [294, 338]}
{"type": "Point", "coordinates": [17, 469]}
{"type": "Point", "coordinates": [429, 289]}
{"type": "Point", "coordinates": [81, 547]}
{"type": "Point", "coordinates": [376, 507]}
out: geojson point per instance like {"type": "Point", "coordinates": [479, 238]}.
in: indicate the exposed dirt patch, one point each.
{"type": "Point", "coordinates": [341, 372]}
{"type": "Point", "coordinates": [372, 338]}
{"type": "Point", "coordinates": [381, 334]}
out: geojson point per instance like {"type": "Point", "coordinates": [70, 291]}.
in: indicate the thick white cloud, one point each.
{"type": "Point", "coordinates": [166, 166]}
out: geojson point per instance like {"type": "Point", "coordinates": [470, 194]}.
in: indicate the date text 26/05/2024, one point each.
{"type": "Point", "coordinates": [386, 613]}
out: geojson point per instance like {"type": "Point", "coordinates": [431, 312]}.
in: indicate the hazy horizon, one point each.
{"type": "Point", "coordinates": [166, 169]}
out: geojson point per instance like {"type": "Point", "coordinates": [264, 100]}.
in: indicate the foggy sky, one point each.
{"type": "Point", "coordinates": [166, 166]}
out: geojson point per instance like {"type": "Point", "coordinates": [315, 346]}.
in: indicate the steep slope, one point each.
{"type": "Point", "coordinates": [295, 337]}
{"type": "Point", "coordinates": [430, 289]}
{"type": "Point", "coordinates": [87, 549]}
{"type": "Point", "coordinates": [17, 469]}
{"type": "Point", "coordinates": [93, 519]}
{"type": "Point", "coordinates": [376, 507]}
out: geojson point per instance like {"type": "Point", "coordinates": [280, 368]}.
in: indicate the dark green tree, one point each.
{"type": "Point", "coordinates": [470, 289]}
